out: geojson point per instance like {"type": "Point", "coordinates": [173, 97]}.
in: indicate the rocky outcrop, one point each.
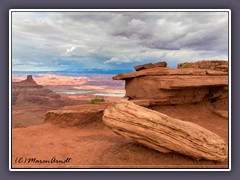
{"type": "Point", "coordinates": [28, 91]}
{"type": "Point", "coordinates": [29, 82]}
{"type": "Point", "coordinates": [206, 64]}
{"type": "Point", "coordinates": [150, 65]}
{"type": "Point", "coordinates": [163, 133]}
{"type": "Point", "coordinates": [77, 115]}
{"type": "Point", "coordinates": [165, 86]}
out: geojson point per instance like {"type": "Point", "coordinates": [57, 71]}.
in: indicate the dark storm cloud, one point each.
{"type": "Point", "coordinates": [173, 32]}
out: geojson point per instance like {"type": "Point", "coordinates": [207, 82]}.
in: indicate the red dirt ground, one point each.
{"type": "Point", "coordinates": [96, 146]}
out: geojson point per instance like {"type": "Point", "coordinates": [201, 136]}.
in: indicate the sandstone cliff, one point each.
{"type": "Point", "coordinates": [165, 86]}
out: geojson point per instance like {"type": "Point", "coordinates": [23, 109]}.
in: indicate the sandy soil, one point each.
{"type": "Point", "coordinates": [96, 146]}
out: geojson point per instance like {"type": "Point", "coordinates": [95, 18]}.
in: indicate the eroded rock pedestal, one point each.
{"type": "Point", "coordinates": [163, 133]}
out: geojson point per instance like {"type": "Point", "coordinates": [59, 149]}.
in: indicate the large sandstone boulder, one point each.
{"type": "Point", "coordinates": [163, 133]}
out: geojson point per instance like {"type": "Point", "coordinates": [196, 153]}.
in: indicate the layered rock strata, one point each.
{"type": "Point", "coordinates": [163, 133]}
{"type": "Point", "coordinates": [165, 86]}
{"type": "Point", "coordinates": [219, 65]}
{"type": "Point", "coordinates": [150, 65]}
{"type": "Point", "coordinates": [77, 115]}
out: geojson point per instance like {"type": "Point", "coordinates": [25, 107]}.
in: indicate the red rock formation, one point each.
{"type": "Point", "coordinates": [206, 64]}
{"type": "Point", "coordinates": [158, 86]}
{"type": "Point", "coordinates": [222, 114]}
{"type": "Point", "coordinates": [150, 65]}
{"type": "Point", "coordinates": [77, 115]}
{"type": "Point", "coordinates": [164, 133]}
{"type": "Point", "coordinates": [28, 91]}
{"type": "Point", "coordinates": [29, 82]}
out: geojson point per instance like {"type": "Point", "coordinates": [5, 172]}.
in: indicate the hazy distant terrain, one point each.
{"type": "Point", "coordinates": [30, 107]}
{"type": "Point", "coordinates": [77, 84]}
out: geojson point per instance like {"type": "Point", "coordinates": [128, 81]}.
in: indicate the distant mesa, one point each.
{"type": "Point", "coordinates": [28, 92]}
{"type": "Point", "coordinates": [29, 78]}
{"type": "Point", "coordinates": [29, 82]}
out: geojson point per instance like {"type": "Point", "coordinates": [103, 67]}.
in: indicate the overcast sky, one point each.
{"type": "Point", "coordinates": [76, 41]}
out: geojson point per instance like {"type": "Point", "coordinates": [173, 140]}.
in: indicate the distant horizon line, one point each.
{"type": "Point", "coordinates": [75, 71]}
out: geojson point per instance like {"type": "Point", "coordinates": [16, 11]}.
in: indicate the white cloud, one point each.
{"type": "Point", "coordinates": [70, 50]}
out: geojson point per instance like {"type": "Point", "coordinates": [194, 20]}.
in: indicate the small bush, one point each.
{"type": "Point", "coordinates": [97, 99]}
{"type": "Point", "coordinates": [185, 65]}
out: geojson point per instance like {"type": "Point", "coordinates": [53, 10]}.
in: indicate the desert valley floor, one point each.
{"type": "Point", "coordinates": [94, 145]}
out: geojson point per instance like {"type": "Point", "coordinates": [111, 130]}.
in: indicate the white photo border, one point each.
{"type": "Point", "coordinates": [119, 169]}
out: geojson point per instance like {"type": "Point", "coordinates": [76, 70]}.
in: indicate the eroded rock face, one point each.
{"type": "Point", "coordinates": [29, 82]}
{"type": "Point", "coordinates": [206, 64]}
{"type": "Point", "coordinates": [163, 133]}
{"type": "Point", "coordinates": [77, 115]}
{"type": "Point", "coordinates": [163, 86]}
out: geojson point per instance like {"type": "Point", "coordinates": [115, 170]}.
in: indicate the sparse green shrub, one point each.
{"type": "Point", "coordinates": [97, 99]}
{"type": "Point", "coordinates": [185, 65]}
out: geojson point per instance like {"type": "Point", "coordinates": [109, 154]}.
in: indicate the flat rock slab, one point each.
{"type": "Point", "coordinates": [163, 133]}
{"type": "Point", "coordinates": [163, 71]}
{"type": "Point", "coordinates": [180, 82]}
{"type": "Point", "coordinates": [77, 115]}
{"type": "Point", "coordinates": [150, 65]}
